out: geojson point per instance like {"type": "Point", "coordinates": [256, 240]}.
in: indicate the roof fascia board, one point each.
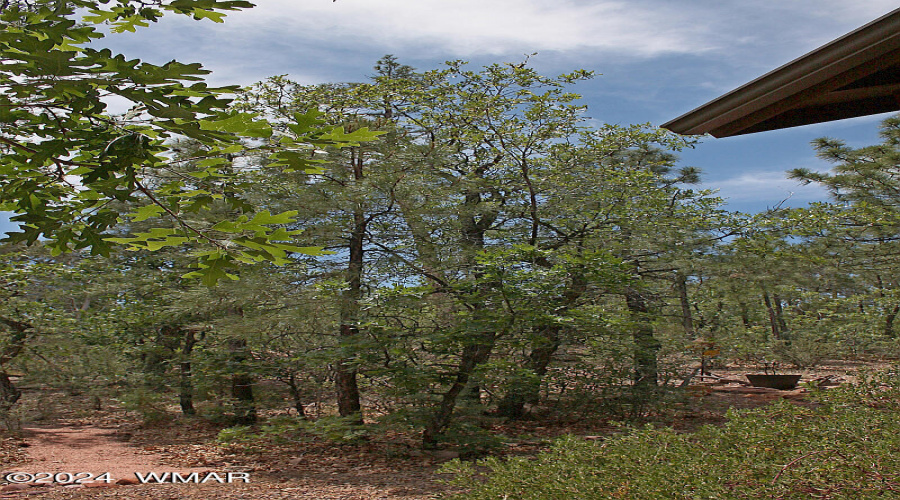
{"type": "Point", "coordinates": [878, 37]}
{"type": "Point", "coordinates": [800, 93]}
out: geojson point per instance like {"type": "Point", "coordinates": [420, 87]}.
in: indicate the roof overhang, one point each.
{"type": "Point", "coordinates": [856, 75]}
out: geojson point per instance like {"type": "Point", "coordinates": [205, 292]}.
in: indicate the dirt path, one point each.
{"type": "Point", "coordinates": [96, 450]}
{"type": "Point", "coordinates": [90, 450]}
{"type": "Point", "coordinates": [78, 455]}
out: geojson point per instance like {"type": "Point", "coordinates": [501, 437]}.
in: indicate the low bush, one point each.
{"type": "Point", "coordinates": [846, 446]}
{"type": "Point", "coordinates": [287, 430]}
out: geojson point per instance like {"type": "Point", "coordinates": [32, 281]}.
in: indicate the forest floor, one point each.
{"type": "Point", "coordinates": [73, 435]}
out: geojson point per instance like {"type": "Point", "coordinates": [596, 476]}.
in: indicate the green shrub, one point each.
{"type": "Point", "coordinates": [285, 430]}
{"type": "Point", "coordinates": [150, 405]}
{"type": "Point", "coordinates": [848, 447]}
{"type": "Point", "coordinates": [586, 390]}
{"type": "Point", "coordinates": [238, 434]}
{"type": "Point", "coordinates": [471, 440]}
{"type": "Point", "coordinates": [336, 429]}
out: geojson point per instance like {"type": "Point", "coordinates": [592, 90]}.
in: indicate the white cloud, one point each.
{"type": "Point", "coordinates": [768, 187]}
{"type": "Point", "coordinates": [468, 27]}
{"type": "Point", "coordinates": [321, 40]}
{"type": "Point", "coordinates": [637, 27]}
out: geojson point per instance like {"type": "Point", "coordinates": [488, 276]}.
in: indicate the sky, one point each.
{"type": "Point", "coordinates": [655, 59]}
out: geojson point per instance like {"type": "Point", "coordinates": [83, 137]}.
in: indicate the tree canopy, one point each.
{"type": "Point", "coordinates": [70, 171]}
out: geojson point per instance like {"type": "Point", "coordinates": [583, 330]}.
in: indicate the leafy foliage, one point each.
{"type": "Point", "coordinates": [70, 171]}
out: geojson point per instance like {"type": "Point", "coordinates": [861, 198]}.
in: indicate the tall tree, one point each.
{"type": "Point", "coordinates": [473, 164]}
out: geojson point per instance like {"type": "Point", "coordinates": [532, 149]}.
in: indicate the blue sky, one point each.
{"type": "Point", "coordinates": [656, 59]}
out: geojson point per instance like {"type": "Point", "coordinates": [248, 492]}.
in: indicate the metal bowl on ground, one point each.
{"type": "Point", "coordinates": [780, 382]}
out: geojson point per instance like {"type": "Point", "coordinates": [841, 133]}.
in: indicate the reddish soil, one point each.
{"type": "Point", "coordinates": [90, 450]}
{"type": "Point", "coordinates": [112, 441]}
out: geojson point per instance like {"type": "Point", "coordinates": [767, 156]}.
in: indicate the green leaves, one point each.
{"type": "Point", "coordinates": [146, 212]}
{"type": "Point", "coordinates": [126, 17]}
{"type": "Point", "coordinates": [306, 134]}
{"type": "Point", "coordinates": [70, 172]}
{"type": "Point", "coordinates": [240, 124]}
{"type": "Point", "coordinates": [247, 240]}
{"type": "Point", "coordinates": [213, 266]}
{"type": "Point", "coordinates": [152, 240]}
{"type": "Point", "coordinates": [338, 137]}
{"type": "Point", "coordinates": [256, 224]}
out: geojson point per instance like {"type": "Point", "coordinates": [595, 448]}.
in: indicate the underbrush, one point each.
{"type": "Point", "coordinates": [286, 430]}
{"type": "Point", "coordinates": [846, 447]}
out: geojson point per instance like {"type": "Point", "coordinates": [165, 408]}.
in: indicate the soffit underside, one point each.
{"type": "Point", "coordinates": [876, 92]}
{"type": "Point", "coordinates": [855, 75]}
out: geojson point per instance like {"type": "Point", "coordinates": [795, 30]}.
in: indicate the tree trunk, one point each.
{"type": "Point", "coordinates": [779, 317]}
{"type": "Point", "coordinates": [646, 346]}
{"type": "Point", "coordinates": [773, 317]}
{"type": "Point", "coordinates": [891, 314]}
{"type": "Point", "coordinates": [481, 344]}
{"type": "Point", "coordinates": [348, 396]}
{"type": "Point", "coordinates": [296, 395]}
{"type": "Point", "coordinates": [345, 376]}
{"type": "Point", "coordinates": [472, 356]}
{"type": "Point", "coordinates": [713, 323]}
{"type": "Point", "coordinates": [9, 394]}
{"type": "Point", "coordinates": [472, 397]}
{"type": "Point", "coordinates": [889, 322]}
{"type": "Point", "coordinates": [687, 319]}
{"type": "Point", "coordinates": [526, 390]}
{"type": "Point", "coordinates": [745, 314]}
{"type": "Point", "coordinates": [186, 385]}
{"type": "Point", "coordinates": [241, 384]}
{"type": "Point", "coordinates": [545, 344]}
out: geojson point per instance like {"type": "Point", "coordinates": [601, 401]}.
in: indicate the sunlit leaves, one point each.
{"type": "Point", "coordinates": [146, 212]}
{"type": "Point", "coordinates": [213, 266]}
{"type": "Point", "coordinates": [241, 124]}
{"type": "Point", "coordinates": [67, 169]}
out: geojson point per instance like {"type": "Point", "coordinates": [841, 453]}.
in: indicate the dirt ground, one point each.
{"type": "Point", "coordinates": [81, 439]}
{"type": "Point", "coordinates": [315, 471]}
